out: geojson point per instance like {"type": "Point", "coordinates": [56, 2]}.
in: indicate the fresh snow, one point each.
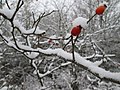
{"type": "Point", "coordinates": [30, 31]}
{"type": "Point", "coordinates": [4, 88]}
{"type": "Point", "coordinates": [106, 3]}
{"type": "Point", "coordinates": [93, 67]}
{"type": "Point", "coordinates": [32, 55]}
{"type": "Point", "coordinates": [97, 63]}
{"type": "Point", "coordinates": [90, 65]}
{"type": "Point", "coordinates": [80, 21]}
{"type": "Point", "coordinates": [7, 12]}
{"type": "Point", "coordinates": [24, 47]}
{"type": "Point", "coordinates": [79, 59]}
{"type": "Point", "coordinates": [68, 56]}
{"type": "Point", "coordinates": [1, 32]}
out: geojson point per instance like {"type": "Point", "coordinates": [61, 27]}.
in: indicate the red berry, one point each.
{"type": "Point", "coordinates": [101, 9]}
{"type": "Point", "coordinates": [50, 41]}
{"type": "Point", "coordinates": [76, 30]}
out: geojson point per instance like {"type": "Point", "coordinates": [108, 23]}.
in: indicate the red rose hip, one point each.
{"type": "Point", "coordinates": [76, 30]}
{"type": "Point", "coordinates": [100, 10]}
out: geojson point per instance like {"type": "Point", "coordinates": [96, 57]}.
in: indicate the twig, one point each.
{"type": "Point", "coordinates": [33, 19]}
{"type": "Point", "coordinates": [19, 5]}
{"type": "Point", "coordinates": [91, 18]}
{"type": "Point", "coordinates": [36, 69]}
{"type": "Point", "coordinates": [36, 22]}
{"type": "Point", "coordinates": [75, 39]}
{"type": "Point", "coordinates": [68, 42]}
{"type": "Point", "coordinates": [7, 4]}
{"type": "Point", "coordinates": [73, 55]}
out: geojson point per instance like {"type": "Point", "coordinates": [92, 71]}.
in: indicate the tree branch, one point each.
{"type": "Point", "coordinates": [19, 5]}
{"type": "Point", "coordinates": [7, 4]}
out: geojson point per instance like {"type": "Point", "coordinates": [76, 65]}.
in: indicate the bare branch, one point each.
{"type": "Point", "coordinates": [19, 5]}
{"type": "Point", "coordinates": [36, 22]}
{"type": "Point", "coordinates": [7, 4]}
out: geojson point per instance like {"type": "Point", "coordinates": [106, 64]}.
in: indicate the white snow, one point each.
{"type": "Point", "coordinates": [19, 25]}
{"type": "Point", "coordinates": [90, 65]}
{"type": "Point", "coordinates": [97, 63]}
{"type": "Point", "coordinates": [4, 88]}
{"type": "Point", "coordinates": [53, 36]}
{"type": "Point", "coordinates": [32, 55]}
{"type": "Point", "coordinates": [31, 31]}
{"type": "Point", "coordinates": [38, 31]}
{"type": "Point", "coordinates": [26, 32]}
{"type": "Point", "coordinates": [34, 65]}
{"type": "Point", "coordinates": [11, 44]}
{"type": "Point", "coordinates": [1, 57]}
{"type": "Point", "coordinates": [1, 32]}
{"type": "Point", "coordinates": [80, 21]}
{"type": "Point", "coordinates": [68, 56]}
{"type": "Point", "coordinates": [60, 52]}
{"type": "Point", "coordinates": [107, 55]}
{"type": "Point", "coordinates": [103, 73]}
{"type": "Point", "coordinates": [7, 12]}
{"type": "Point", "coordinates": [35, 72]}
{"type": "Point", "coordinates": [24, 47]}
{"type": "Point", "coordinates": [106, 3]}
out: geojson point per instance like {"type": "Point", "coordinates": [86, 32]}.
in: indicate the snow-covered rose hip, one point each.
{"type": "Point", "coordinates": [76, 30]}
{"type": "Point", "coordinates": [100, 10]}
{"type": "Point", "coordinates": [77, 25]}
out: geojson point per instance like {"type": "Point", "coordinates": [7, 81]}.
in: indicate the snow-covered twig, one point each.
{"type": "Point", "coordinates": [78, 60]}
{"type": "Point", "coordinates": [54, 69]}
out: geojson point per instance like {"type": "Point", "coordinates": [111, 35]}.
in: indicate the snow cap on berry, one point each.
{"type": "Point", "coordinates": [80, 21]}
{"type": "Point", "coordinates": [104, 3]}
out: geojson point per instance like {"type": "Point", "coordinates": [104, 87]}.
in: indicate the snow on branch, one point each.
{"type": "Point", "coordinates": [10, 13]}
{"type": "Point", "coordinates": [27, 32]}
{"type": "Point", "coordinates": [54, 69]}
{"type": "Point", "coordinates": [7, 13]}
{"type": "Point", "coordinates": [88, 65]}
{"type": "Point", "coordinates": [82, 62]}
{"type": "Point", "coordinates": [32, 53]}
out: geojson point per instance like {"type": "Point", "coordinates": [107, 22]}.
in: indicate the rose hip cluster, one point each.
{"type": "Point", "coordinates": [76, 30]}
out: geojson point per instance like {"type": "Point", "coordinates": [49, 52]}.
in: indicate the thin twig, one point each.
{"type": "Point", "coordinates": [33, 19]}
{"type": "Point", "coordinates": [19, 5]}
{"type": "Point", "coordinates": [68, 42]}
{"type": "Point", "coordinates": [73, 48]}
{"type": "Point", "coordinates": [36, 22]}
{"type": "Point", "coordinates": [7, 4]}
{"type": "Point", "coordinates": [91, 18]}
